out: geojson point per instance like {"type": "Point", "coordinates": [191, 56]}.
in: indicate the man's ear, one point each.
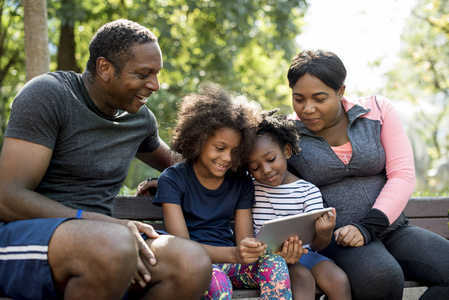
{"type": "Point", "coordinates": [288, 151]}
{"type": "Point", "coordinates": [105, 69]}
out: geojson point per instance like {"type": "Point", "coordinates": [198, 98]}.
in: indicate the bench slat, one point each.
{"type": "Point", "coordinates": [136, 208]}
{"type": "Point", "coordinates": [427, 207]}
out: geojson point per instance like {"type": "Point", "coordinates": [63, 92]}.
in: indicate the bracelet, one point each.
{"type": "Point", "coordinates": [79, 214]}
{"type": "Point", "coordinates": [151, 178]}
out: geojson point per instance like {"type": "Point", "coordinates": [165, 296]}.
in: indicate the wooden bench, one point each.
{"type": "Point", "coordinates": [430, 213]}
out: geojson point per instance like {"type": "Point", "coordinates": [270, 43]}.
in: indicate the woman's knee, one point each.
{"type": "Point", "coordinates": [372, 271]}
{"type": "Point", "coordinates": [377, 281]}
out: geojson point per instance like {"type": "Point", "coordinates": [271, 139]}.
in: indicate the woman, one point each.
{"type": "Point", "coordinates": [359, 156]}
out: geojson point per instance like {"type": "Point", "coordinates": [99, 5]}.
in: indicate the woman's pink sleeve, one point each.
{"type": "Point", "coordinates": [400, 165]}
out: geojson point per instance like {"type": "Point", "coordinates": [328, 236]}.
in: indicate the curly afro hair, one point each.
{"type": "Point", "coordinates": [114, 41]}
{"type": "Point", "coordinates": [201, 114]}
{"type": "Point", "coordinates": [280, 129]}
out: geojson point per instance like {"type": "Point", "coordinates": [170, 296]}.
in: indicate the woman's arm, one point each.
{"type": "Point", "coordinates": [400, 171]}
{"type": "Point", "coordinates": [400, 165]}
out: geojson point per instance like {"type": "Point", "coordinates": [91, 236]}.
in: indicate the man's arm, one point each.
{"type": "Point", "coordinates": [22, 166]}
{"type": "Point", "coordinates": [161, 158]}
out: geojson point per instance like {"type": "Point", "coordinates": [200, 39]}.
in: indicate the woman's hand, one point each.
{"type": "Point", "coordinates": [349, 236]}
{"type": "Point", "coordinates": [147, 187]}
{"type": "Point", "coordinates": [249, 250]}
{"type": "Point", "coordinates": [292, 250]}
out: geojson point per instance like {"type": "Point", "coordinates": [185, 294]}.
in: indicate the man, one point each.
{"type": "Point", "coordinates": [67, 149]}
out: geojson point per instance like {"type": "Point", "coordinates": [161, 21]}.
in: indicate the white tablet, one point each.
{"type": "Point", "coordinates": [275, 232]}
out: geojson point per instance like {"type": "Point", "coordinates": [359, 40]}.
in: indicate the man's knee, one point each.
{"type": "Point", "coordinates": [92, 248]}
{"type": "Point", "coordinates": [185, 263]}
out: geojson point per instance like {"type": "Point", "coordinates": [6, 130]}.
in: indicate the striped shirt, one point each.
{"type": "Point", "coordinates": [284, 200]}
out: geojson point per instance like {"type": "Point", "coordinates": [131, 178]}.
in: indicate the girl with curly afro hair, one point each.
{"type": "Point", "coordinates": [280, 193]}
{"type": "Point", "coordinates": [202, 195]}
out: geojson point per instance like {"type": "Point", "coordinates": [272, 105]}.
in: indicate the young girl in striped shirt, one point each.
{"type": "Point", "coordinates": [280, 193]}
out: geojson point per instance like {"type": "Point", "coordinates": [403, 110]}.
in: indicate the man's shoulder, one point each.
{"type": "Point", "coordinates": [50, 85]}
{"type": "Point", "coordinates": [57, 77]}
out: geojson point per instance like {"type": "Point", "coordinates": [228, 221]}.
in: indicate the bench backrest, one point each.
{"type": "Point", "coordinates": [430, 213]}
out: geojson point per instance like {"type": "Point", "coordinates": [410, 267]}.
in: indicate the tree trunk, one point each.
{"type": "Point", "coordinates": [37, 55]}
{"type": "Point", "coordinates": [67, 45]}
{"type": "Point", "coordinates": [66, 52]}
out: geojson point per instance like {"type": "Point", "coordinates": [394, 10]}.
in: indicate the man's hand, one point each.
{"type": "Point", "coordinates": [142, 275]}
{"type": "Point", "coordinates": [349, 236]}
{"type": "Point", "coordinates": [249, 250]}
{"type": "Point", "coordinates": [292, 250]}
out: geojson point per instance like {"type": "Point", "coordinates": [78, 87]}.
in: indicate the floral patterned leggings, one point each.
{"type": "Point", "coordinates": [270, 272]}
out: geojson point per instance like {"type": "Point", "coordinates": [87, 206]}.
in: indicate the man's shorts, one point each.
{"type": "Point", "coordinates": [24, 269]}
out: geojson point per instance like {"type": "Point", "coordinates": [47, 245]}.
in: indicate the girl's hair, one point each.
{"type": "Point", "coordinates": [201, 114]}
{"type": "Point", "coordinates": [324, 65]}
{"type": "Point", "coordinates": [280, 129]}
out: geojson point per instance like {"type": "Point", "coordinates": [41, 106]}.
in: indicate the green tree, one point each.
{"type": "Point", "coordinates": [36, 38]}
{"type": "Point", "coordinates": [12, 56]}
{"type": "Point", "coordinates": [244, 45]}
{"type": "Point", "coordinates": [422, 74]}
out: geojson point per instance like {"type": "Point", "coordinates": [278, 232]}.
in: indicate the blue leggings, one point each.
{"type": "Point", "coordinates": [270, 272]}
{"type": "Point", "coordinates": [378, 270]}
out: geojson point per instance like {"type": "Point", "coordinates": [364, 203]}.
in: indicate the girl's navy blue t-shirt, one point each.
{"type": "Point", "coordinates": [207, 212]}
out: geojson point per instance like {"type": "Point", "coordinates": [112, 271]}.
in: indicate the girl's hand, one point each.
{"type": "Point", "coordinates": [249, 250]}
{"type": "Point", "coordinates": [292, 250]}
{"type": "Point", "coordinates": [349, 236]}
{"type": "Point", "coordinates": [326, 223]}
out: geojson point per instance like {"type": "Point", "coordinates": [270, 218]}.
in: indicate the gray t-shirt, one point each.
{"type": "Point", "coordinates": [91, 151]}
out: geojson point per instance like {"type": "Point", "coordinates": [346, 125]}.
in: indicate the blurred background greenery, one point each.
{"type": "Point", "coordinates": [245, 46]}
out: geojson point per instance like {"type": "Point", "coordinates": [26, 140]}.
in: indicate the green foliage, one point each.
{"type": "Point", "coordinates": [428, 193]}
{"type": "Point", "coordinates": [244, 45]}
{"type": "Point", "coordinates": [127, 191]}
{"type": "Point", "coordinates": [422, 74]}
{"type": "Point", "coordinates": [12, 57]}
